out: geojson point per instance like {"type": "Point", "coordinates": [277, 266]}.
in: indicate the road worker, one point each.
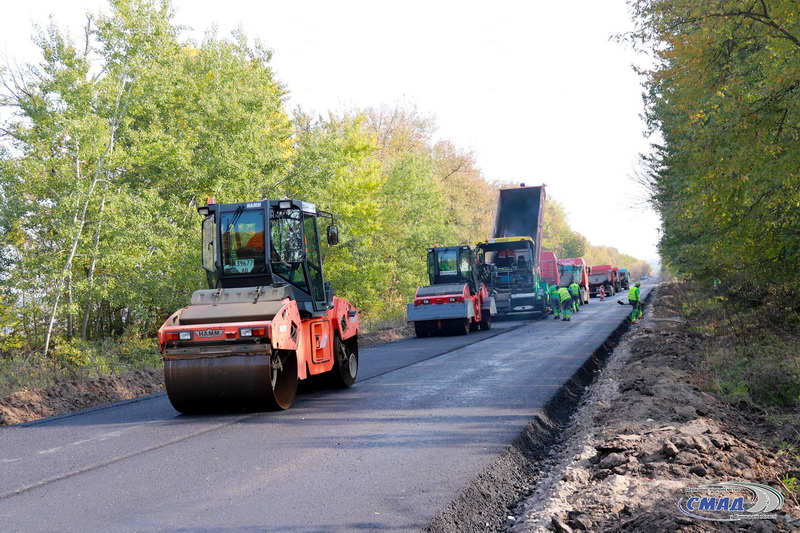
{"type": "Point", "coordinates": [555, 300]}
{"type": "Point", "coordinates": [505, 259]}
{"type": "Point", "coordinates": [575, 293]}
{"type": "Point", "coordinates": [566, 304]}
{"type": "Point", "coordinates": [635, 299]}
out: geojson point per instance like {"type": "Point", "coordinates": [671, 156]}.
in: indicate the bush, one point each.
{"type": "Point", "coordinates": [752, 349]}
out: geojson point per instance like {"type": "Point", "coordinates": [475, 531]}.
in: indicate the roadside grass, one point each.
{"type": "Point", "coordinates": [392, 319]}
{"type": "Point", "coordinates": [751, 353]}
{"type": "Point", "coordinates": [24, 367]}
{"type": "Point", "coordinates": [71, 359]}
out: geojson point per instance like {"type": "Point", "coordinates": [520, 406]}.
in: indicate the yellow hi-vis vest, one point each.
{"type": "Point", "coordinates": [563, 294]}
{"type": "Point", "coordinates": [633, 294]}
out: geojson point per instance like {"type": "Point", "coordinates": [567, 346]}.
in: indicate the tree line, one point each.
{"type": "Point", "coordinates": [114, 139]}
{"type": "Point", "coordinates": [723, 103]}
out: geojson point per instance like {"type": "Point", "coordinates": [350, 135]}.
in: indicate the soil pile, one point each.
{"type": "Point", "coordinates": [645, 432]}
{"type": "Point", "coordinates": [27, 405]}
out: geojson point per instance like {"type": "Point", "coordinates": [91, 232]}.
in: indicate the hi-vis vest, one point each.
{"type": "Point", "coordinates": [575, 289]}
{"type": "Point", "coordinates": [563, 294]}
{"type": "Point", "coordinates": [633, 294]}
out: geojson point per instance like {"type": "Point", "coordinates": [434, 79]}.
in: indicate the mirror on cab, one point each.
{"type": "Point", "coordinates": [333, 235]}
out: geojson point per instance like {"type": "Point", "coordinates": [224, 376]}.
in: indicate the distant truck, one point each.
{"type": "Point", "coordinates": [548, 268]}
{"type": "Point", "coordinates": [510, 259]}
{"type": "Point", "coordinates": [624, 278]}
{"type": "Point", "coordinates": [456, 301]}
{"type": "Point", "coordinates": [575, 270]}
{"type": "Point", "coordinates": [602, 276]}
{"type": "Point", "coordinates": [617, 280]}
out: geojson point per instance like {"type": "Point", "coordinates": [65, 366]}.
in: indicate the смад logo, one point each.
{"type": "Point", "coordinates": [729, 501]}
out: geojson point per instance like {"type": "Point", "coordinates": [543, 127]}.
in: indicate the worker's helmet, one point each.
{"type": "Point", "coordinates": [638, 283]}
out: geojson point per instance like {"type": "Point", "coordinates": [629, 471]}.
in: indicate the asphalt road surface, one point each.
{"type": "Point", "coordinates": [424, 417]}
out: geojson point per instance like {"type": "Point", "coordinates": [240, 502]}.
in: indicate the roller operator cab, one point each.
{"type": "Point", "coordinates": [456, 301]}
{"type": "Point", "coordinates": [268, 318]}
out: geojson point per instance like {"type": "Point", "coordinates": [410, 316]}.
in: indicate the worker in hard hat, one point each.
{"type": "Point", "coordinates": [635, 299]}
{"type": "Point", "coordinates": [566, 304]}
{"type": "Point", "coordinates": [555, 300]}
{"type": "Point", "coordinates": [575, 293]}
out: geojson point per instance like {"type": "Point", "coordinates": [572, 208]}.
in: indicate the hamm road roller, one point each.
{"type": "Point", "coordinates": [455, 302]}
{"type": "Point", "coordinates": [268, 318]}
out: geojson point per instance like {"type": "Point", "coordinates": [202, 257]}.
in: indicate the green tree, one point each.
{"type": "Point", "coordinates": [557, 236]}
{"type": "Point", "coordinates": [723, 99]}
{"type": "Point", "coordinates": [112, 145]}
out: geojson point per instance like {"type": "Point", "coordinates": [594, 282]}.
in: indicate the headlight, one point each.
{"type": "Point", "coordinates": [185, 335]}
{"type": "Point", "coordinates": [246, 332]}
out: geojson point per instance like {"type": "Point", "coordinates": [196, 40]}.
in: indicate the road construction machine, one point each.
{"type": "Point", "coordinates": [268, 318]}
{"type": "Point", "coordinates": [575, 270]}
{"type": "Point", "coordinates": [548, 268]}
{"type": "Point", "coordinates": [624, 278]}
{"type": "Point", "coordinates": [456, 301]}
{"type": "Point", "coordinates": [510, 260]}
{"type": "Point", "coordinates": [602, 276]}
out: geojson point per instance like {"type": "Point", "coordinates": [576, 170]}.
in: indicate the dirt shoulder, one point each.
{"type": "Point", "coordinates": [645, 432]}
{"type": "Point", "coordinates": [32, 404]}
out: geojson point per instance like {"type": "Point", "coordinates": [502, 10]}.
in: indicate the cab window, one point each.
{"type": "Point", "coordinates": [242, 241]}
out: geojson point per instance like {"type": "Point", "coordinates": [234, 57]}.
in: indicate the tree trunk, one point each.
{"type": "Point", "coordinates": [114, 122]}
{"type": "Point", "coordinates": [93, 264]}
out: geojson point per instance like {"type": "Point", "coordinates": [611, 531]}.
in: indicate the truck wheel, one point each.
{"type": "Point", "coordinates": [486, 322]}
{"type": "Point", "coordinates": [473, 325]}
{"type": "Point", "coordinates": [421, 329]}
{"type": "Point", "coordinates": [345, 369]}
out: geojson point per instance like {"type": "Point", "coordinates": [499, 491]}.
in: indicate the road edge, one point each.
{"type": "Point", "coordinates": [484, 504]}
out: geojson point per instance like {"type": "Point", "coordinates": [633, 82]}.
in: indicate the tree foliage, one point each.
{"type": "Point", "coordinates": [557, 236]}
{"type": "Point", "coordinates": [723, 97]}
{"type": "Point", "coordinates": [115, 139]}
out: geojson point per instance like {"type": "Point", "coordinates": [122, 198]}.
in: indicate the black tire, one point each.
{"type": "Point", "coordinates": [458, 326]}
{"type": "Point", "coordinates": [486, 320]}
{"type": "Point", "coordinates": [345, 367]}
{"type": "Point", "coordinates": [421, 329]}
{"type": "Point", "coordinates": [473, 325]}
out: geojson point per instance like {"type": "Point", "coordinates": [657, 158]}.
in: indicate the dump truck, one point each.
{"type": "Point", "coordinates": [617, 279]}
{"type": "Point", "coordinates": [576, 270]}
{"type": "Point", "coordinates": [548, 268]}
{"type": "Point", "coordinates": [509, 260]}
{"type": "Point", "coordinates": [268, 318]}
{"type": "Point", "coordinates": [602, 275]}
{"type": "Point", "coordinates": [624, 278]}
{"type": "Point", "coordinates": [456, 301]}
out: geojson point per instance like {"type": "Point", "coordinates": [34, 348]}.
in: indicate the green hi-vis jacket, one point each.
{"type": "Point", "coordinates": [563, 294]}
{"type": "Point", "coordinates": [633, 294]}
{"type": "Point", "coordinates": [575, 289]}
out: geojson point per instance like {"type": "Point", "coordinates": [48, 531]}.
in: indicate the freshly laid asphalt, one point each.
{"type": "Point", "coordinates": [424, 417]}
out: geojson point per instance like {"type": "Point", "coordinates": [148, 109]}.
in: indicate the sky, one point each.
{"type": "Point", "coordinates": [536, 90]}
